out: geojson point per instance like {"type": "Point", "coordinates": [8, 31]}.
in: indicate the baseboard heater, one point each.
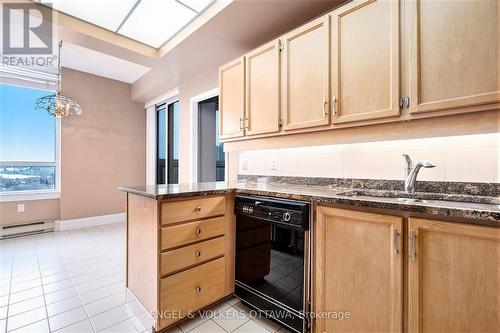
{"type": "Point", "coordinates": [25, 229]}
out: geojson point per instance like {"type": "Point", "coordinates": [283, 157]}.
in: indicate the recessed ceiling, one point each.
{"type": "Point", "coordinates": [97, 63]}
{"type": "Point", "coordinates": [152, 22]}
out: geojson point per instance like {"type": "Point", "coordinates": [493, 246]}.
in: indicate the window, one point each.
{"type": "Point", "coordinates": [220, 159]}
{"type": "Point", "coordinates": [28, 143]}
{"type": "Point", "coordinates": [167, 143]}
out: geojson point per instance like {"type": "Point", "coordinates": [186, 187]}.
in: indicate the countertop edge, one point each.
{"type": "Point", "coordinates": [481, 216]}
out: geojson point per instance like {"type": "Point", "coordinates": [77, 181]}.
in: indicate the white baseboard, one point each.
{"type": "Point", "coordinates": [87, 222]}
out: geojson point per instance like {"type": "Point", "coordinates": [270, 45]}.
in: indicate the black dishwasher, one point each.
{"type": "Point", "coordinates": [272, 258]}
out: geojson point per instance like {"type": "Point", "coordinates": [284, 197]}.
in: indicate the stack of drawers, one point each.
{"type": "Point", "coordinates": [192, 256]}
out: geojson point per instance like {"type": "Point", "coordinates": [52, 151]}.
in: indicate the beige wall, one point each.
{"type": "Point", "coordinates": [100, 150]}
{"type": "Point", "coordinates": [34, 210]}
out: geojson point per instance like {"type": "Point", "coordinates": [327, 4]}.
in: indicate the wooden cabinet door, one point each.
{"type": "Point", "coordinates": [357, 268]}
{"type": "Point", "coordinates": [365, 60]}
{"type": "Point", "coordinates": [232, 98]}
{"type": "Point", "coordinates": [454, 277]}
{"type": "Point", "coordinates": [306, 69]}
{"type": "Point", "coordinates": [263, 89]}
{"type": "Point", "coordinates": [455, 54]}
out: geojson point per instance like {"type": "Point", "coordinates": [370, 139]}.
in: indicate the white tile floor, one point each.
{"type": "Point", "coordinates": [74, 282]}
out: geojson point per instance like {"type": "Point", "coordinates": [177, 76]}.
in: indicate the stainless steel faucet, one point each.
{"type": "Point", "coordinates": [412, 172]}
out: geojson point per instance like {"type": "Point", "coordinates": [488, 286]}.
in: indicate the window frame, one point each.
{"type": "Point", "coordinates": [150, 107]}
{"type": "Point", "coordinates": [28, 195]}
{"type": "Point", "coordinates": [166, 107]}
{"type": "Point", "coordinates": [169, 163]}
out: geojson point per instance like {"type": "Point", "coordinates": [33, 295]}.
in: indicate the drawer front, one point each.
{"type": "Point", "coordinates": [186, 256]}
{"type": "Point", "coordinates": [191, 232]}
{"type": "Point", "coordinates": [191, 290]}
{"type": "Point", "coordinates": [193, 209]}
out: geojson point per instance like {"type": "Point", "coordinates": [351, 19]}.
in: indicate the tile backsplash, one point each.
{"type": "Point", "coordinates": [468, 158]}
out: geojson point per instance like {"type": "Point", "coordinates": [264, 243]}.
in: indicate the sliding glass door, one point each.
{"type": "Point", "coordinates": [167, 143]}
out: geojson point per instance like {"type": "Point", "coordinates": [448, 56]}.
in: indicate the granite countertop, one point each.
{"type": "Point", "coordinates": [383, 195]}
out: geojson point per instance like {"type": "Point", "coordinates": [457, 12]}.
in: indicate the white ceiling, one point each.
{"type": "Point", "coordinates": [97, 63]}
{"type": "Point", "coordinates": [152, 22]}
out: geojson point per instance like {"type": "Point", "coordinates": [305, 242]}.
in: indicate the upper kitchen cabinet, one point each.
{"type": "Point", "coordinates": [350, 246]}
{"type": "Point", "coordinates": [453, 277]}
{"type": "Point", "coordinates": [365, 60]}
{"type": "Point", "coordinates": [232, 99]}
{"type": "Point", "coordinates": [263, 89]}
{"type": "Point", "coordinates": [306, 75]}
{"type": "Point", "coordinates": [451, 64]}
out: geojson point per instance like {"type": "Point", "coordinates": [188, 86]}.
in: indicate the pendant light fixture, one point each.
{"type": "Point", "coordinates": [58, 105]}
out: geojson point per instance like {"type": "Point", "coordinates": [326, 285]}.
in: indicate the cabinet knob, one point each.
{"type": "Point", "coordinates": [198, 231]}
{"type": "Point", "coordinates": [198, 290]}
{"type": "Point", "coordinates": [198, 209]}
{"type": "Point", "coordinates": [198, 253]}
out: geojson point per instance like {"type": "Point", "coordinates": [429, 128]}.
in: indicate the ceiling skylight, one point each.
{"type": "Point", "coordinates": [152, 22]}
{"type": "Point", "coordinates": [155, 21]}
{"type": "Point", "coordinates": [108, 14]}
{"type": "Point", "coordinates": [197, 5]}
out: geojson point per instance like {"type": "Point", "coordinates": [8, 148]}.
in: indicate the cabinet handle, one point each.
{"type": "Point", "coordinates": [325, 109]}
{"type": "Point", "coordinates": [246, 124]}
{"type": "Point", "coordinates": [198, 290]}
{"type": "Point", "coordinates": [334, 101]}
{"type": "Point", "coordinates": [198, 231]}
{"type": "Point", "coordinates": [198, 254]}
{"type": "Point", "coordinates": [198, 209]}
{"type": "Point", "coordinates": [413, 239]}
{"type": "Point", "coordinates": [241, 123]}
{"type": "Point", "coordinates": [395, 235]}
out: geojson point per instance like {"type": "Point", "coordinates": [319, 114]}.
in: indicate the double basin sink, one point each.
{"type": "Point", "coordinates": [423, 198]}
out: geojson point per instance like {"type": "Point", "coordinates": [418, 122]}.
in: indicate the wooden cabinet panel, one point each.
{"type": "Point", "coordinates": [142, 242]}
{"type": "Point", "coordinates": [262, 111]}
{"type": "Point", "coordinates": [187, 233]}
{"type": "Point", "coordinates": [365, 60]}
{"type": "Point", "coordinates": [455, 55]}
{"type": "Point", "coordinates": [180, 267]}
{"type": "Point", "coordinates": [306, 67]}
{"type": "Point", "coordinates": [178, 211]}
{"type": "Point", "coordinates": [191, 290]}
{"type": "Point", "coordinates": [454, 280]}
{"type": "Point", "coordinates": [232, 98]}
{"type": "Point", "coordinates": [178, 259]}
{"type": "Point", "coordinates": [357, 268]}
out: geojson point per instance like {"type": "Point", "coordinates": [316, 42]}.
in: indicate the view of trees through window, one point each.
{"type": "Point", "coordinates": [27, 141]}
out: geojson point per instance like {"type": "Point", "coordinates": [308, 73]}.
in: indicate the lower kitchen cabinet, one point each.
{"type": "Point", "coordinates": [452, 274]}
{"type": "Point", "coordinates": [358, 268]}
{"type": "Point", "coordinates": [190, 290]}
{"type": "Point", "coordinates": [453, 277]}
{"type": "Point", "coordinates": [180, 254]}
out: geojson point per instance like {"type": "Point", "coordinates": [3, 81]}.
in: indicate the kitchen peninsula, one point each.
{"type": "Point", "coordinates": [181, 238]}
